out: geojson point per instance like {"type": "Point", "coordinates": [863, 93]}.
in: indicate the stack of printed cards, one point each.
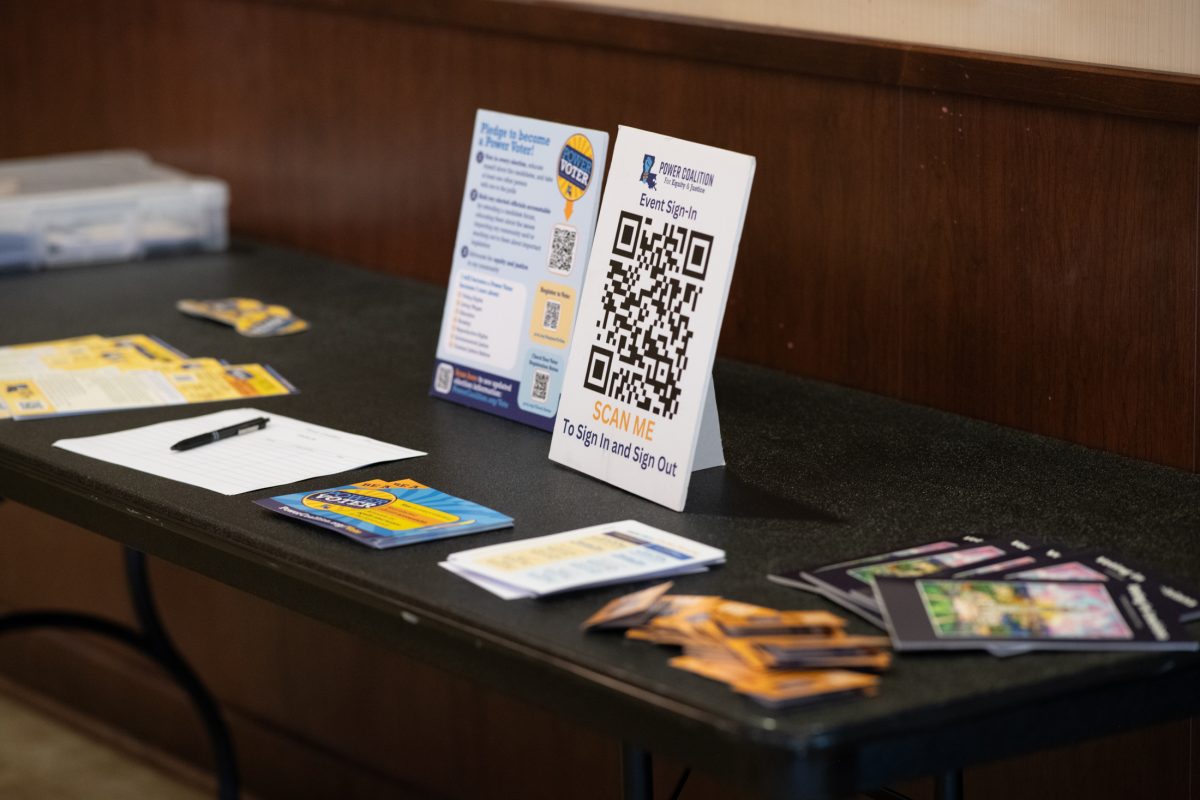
{"type": "Point", "coordinates": [779, 659]}
{"type": "Point", "coordinates": [383, 514]}
{"type": "Point", "coordinates": [87, 374]}
{"type": "Point", "coordinates": [616, 552]}
{"type": "Point", "coordinates": [1006, 596]}
{"type": "Point", "coordinates": [850, 583]}
{"type": "Point", "coordinates": [247, 316]}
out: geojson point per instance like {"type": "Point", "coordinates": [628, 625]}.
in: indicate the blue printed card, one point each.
{"type": "Point", "coordinates": [384, 514]}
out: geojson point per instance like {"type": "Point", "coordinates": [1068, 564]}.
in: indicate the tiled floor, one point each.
{"type": "Point", "coordinates": [41, 759]}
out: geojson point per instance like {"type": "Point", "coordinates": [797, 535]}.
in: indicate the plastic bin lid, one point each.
{"type": "Point", "coordinates": [21, 178]}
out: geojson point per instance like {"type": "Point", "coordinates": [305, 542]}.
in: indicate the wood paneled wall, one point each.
{"type": "Point", "coordinates": [1011, 239]}
{"type": "Point", "coordinates": [1013, 254]}
{"type": "Point", "coordinates": [1160, 35]}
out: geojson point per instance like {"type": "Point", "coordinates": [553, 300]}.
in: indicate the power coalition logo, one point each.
{"type": "Point", "coordinates": [649, 178]}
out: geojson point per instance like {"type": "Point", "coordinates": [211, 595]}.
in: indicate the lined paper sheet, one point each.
{"type": "Point", "coordinates": [286, 451]}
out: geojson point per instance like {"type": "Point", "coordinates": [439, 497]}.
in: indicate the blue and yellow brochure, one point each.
{"type": "Point", "coordinates": [384, 514]}
{"type": "Point", "coordinates": [524, 237]}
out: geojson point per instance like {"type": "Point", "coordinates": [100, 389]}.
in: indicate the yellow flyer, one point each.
{"type": "Point", "coordinates": [85, 374]}
{"type": "Point", "coordinates": [135, 351]}
{"type": "Point", "coordinates": [109, 389]}
{"type": "Point", "coordinates": [246, 315]}
{"type": "Point", "coordinates": [226, 382]}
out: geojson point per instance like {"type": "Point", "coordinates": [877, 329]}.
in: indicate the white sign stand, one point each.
{"type": "Point", "coordinates": [638, 408]}
{"type": "Point", "coordinates": [709, 451]}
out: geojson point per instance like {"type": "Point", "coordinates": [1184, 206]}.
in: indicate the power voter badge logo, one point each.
{"type": "Point", "coordinates": [338, 500]}
{"type": "Point", "coordinates": [575, 164]}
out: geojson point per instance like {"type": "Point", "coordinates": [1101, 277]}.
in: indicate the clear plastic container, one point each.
{"type": "Point", "coordinates": [109, 206]}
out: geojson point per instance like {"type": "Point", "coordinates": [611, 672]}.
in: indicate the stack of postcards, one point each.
{"type": "Point", "coordinates": [780, 659]}
{"type": "Point", "coordinates": [1007, 596]}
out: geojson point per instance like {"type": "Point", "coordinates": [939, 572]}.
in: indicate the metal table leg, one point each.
{"type": "Point", "coordinates": [151, 639]}
{"type": "Point", "coordinates": [949, 785]}
{"type": "Point", "coordinates": [637, 773]}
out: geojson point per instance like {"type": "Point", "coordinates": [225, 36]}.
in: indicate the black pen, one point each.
{"type": "Point", "coordinates": [224, 433]}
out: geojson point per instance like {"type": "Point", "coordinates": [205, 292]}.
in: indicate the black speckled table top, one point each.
{"type": "Point", "coordinates": [815, 474]}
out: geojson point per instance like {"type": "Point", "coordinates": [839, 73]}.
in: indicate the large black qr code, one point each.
{"type": "Point", "coordinates": [655, 278]}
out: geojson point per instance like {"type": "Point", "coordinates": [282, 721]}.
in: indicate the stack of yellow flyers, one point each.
{"type": "Point", "coordinates": [247, 316]}
{"type": "Point", "coordinates": [86, 374]}
{"type": "Point", "coordinates": [778, 658]}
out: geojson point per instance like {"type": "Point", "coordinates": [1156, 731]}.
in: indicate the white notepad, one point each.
{"type": "Point", "coordinates": [285, 451]}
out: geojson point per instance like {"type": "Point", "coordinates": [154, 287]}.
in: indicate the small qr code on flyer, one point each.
{"type": "Point", "coordinates": [541, 385]}
{"type": "Point", "coordinates": [562, 249]}
{"type": "Point", "coordinates": [552, 315]}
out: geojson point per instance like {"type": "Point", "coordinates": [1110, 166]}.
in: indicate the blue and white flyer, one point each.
{"type": "Point", "coordinates": [528, 214]}
{"type": "Point", "coordinates": [637, 408]}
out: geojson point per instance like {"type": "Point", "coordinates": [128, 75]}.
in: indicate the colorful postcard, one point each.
{"type": "Point", "coordinates": [1022, 610]}
{"type": "Point", "coordinates": [1069, 571]}
{"type": "Point", "coordinates": [923, 565]}
{"type": "Point", "coordinates": [1005, 565]}
{"type": "Point", "coordinates": [803, 577]}
{"type": "Point", "coordinates": [816, 579]}
{"type": "Point", "coordinates": [935, 614]}
{"type": "Point", "coordinates": [855, 582]}
{"type": "Point", "coordinates": [1098, 566]}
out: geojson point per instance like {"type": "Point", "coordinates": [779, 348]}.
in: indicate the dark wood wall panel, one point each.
{"type": "Point", "coordinates": [818, 277]}
{"type": "Point", "coordinates": [337, 135]}
{"type": "Point", "coordinates": [1000, 246]}
{"type": "Point", "coordinates": [1061, 84]}
{"type": "Point", "coordinates": [1050, 271]}
{"type": "Point", "coordinates": [1021, 263]}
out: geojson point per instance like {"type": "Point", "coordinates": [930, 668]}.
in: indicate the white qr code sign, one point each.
{"type": "Point", "coordinates": [637, 406]}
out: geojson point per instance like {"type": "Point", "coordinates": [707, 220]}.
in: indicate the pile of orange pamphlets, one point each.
{"type": "Point", "coordinates": [778, 658]}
